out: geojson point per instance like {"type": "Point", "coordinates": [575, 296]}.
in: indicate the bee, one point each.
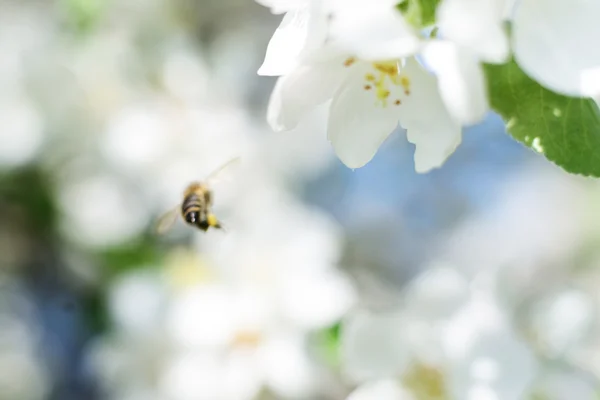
{"type": "Point", "coordinates": [196, 207]}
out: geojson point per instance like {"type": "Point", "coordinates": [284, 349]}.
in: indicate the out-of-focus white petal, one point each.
{"type": "Point", "coordinates": [556, 43]}
{"type": "Point", "coordinates": [380, 390]}
{"type": "Point", "coordinates": [21, 131]}
{"type": "Point", "coordinates": [288, 369]}
{"type": "Point", "coordinates": [563, 320]}
{"type": "Point", "coordinates": [286, 44]}
{"type": "Point", "coordinates": [428, 123]}
{"type": "Point", "coordinates": [373, 345]}
{"type": "Point", "coordinates": [202, 317]}
{"type": "Point", "coordinates": [242, 379]}
{"type": "Point", "coordinates": [373, 30]}
{"type": "Point", "coordinates": [461, 81]}
{"type": "Point", "coordinates": [192, 376]}
{"type": "Point", "coordinates": [437, 293]}
{"type": "Point", "coordinates": [316, 299]}
{"type": "Point", "coordinates": [281, 6]}
{"type": "Point", "coordinates": [302, 90]}
{"type": "Point", "coordinates": [357, 125]}
{"type": "Point", "coordinates": [137, 302]}
{"type": "Point", "coordinates": [487, 358]}
{"type": "Point", "coordinates": [566, 384]}
{"type": "Point", "coordinates": [476, 25]}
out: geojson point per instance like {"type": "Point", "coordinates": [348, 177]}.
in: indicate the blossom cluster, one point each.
{"type": "Point", "coordinates": [419, 64]}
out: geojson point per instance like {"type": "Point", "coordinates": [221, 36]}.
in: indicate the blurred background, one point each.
{"type": "Point", "coordinates": [108, 109]}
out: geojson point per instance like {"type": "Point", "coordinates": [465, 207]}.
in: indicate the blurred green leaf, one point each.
{"type": "Point", "coordinates": [83, 15]}
{"type": "Point", "coordinates": [140, 253]}
{"type": "Point", "coordinates": [29, 190]}
{"type": "Point", "coordinates": [328, 342]}
{"type": "Point", "coordinates": [419, 13]}
{"type": "Point", "coordinates": [566, 130]}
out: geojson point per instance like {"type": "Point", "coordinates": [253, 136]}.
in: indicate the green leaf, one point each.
{"type": "Point", "coordinates": [84, 15]}
{"type": "Point", "coordinates": [566, 130]}
{"type": "Point", "coordinates": [419, 13]}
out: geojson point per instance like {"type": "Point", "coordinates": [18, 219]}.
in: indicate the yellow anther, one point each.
{"type": "Point", "coordinates": [388, 68]}
{"type": "Point", "coordinates": [349, 61]}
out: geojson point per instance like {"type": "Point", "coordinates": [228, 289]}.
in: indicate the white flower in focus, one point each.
{"type": "Point", "coordinates": [368, 71]}
{"type": "Point", "coordinates": [302, 28]}
{"type": "Point", "coordinates": [369, 99]}
{"type": "Point", "coordinates": [471, 31]}
{"type": "Point", "coordinates": [555, 42]}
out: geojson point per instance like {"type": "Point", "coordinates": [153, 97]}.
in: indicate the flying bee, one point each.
{"type": "Point", "coordinates": [196, 206]}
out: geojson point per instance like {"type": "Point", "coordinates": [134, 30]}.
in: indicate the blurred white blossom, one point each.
{"type": "Point", "coordinates": [549, 40]}
{"type": "Point", "coordinates": [21, 351]}
{"type": "Point", "coordinates": [472, 344]}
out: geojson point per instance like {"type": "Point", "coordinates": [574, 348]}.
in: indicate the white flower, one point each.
{"type": "Point", "coordinates": [302, 28]}
{"type": "Point", "coordinates": [368, 71]}
{"type": "Point", "coordinates": [472, 32]}
{"type": "Point", "coordinates": [473, 347]}
{"type": "Point", "coordinates": [369, 99]}
{"type": "Point", "coordinates": [383, 344]}
{"type": "Point", "coordinates": [486, 357]}
{"type": "Point", "coordinates": [555, 42]}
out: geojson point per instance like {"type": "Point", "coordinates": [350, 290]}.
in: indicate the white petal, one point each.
{"type": "Point", "coordinates": [373, 345]}
{"type": "Point", "coordinates": [556, 43]}
{"type": "Point", "coordinates": [461, 81]}
{"type": "Point", "coordinates": [487, 357]}
{"type": "Point", "coordinates": [476, 25]}
{"type": "Point", "coordinates": [437, 293]}
{"type": "Point", "coordinates": [357, 126]}
{"type": "Point", "coordinates": [287, 43]}
{"type": "Point", "coordinates": [302, 90]}
{"type": "Point", "coordinates": [373, 31]}
{"type": "Point", "coordinates": [380, 390]}
{"type": "Point", "coordinates": [428, 123]}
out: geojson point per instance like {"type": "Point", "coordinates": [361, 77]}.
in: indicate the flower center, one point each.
{"type": "Point", "coordinates": [384, 74]}
{"type": "Point", "coordinates": [248, 339]}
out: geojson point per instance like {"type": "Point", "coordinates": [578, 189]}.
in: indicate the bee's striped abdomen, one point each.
{"type": "Point", "coordinates": [191, 208]}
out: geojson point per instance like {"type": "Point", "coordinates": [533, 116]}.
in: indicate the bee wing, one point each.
{"type": "Point", "coordinates": [218, 174]}
{"type": "Point", "coordinates": [166, 221]}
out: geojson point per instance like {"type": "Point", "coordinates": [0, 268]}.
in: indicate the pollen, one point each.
{"type": "Point", "coordinates": [349, 61]}
{"type": "Point", "coordinates": [388, 68]}
{"type": "Point", "coordinates": [383, 78]}
{"type": "Point", "coordinates": [383, 93]}
{"type": "Point", "coordinates": [405, 83]}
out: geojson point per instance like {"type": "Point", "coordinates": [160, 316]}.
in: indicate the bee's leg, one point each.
{"type": "Point", "coordinates": [213, 221]}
